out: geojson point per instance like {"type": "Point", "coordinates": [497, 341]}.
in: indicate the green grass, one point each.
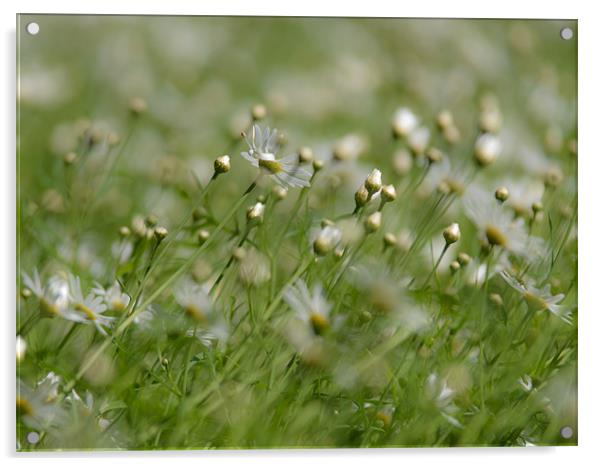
{"type": "Point", "coordinates": [409, 354]}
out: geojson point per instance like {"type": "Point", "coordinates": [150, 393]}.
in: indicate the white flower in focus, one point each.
{"type": "Point", "coordinates": [263, 147]}
{"type": "Point", "coordinates": [311, 308]}
{"type": "Point", "coordinates": [89, 309]}
{"type": "Point", "coordinates": [539, 299]}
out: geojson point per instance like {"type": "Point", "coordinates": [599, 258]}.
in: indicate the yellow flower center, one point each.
{"type": "Point", "coordinates": [196, 313]}
{"type": "Point", "coordinates": [23, 407]}
{"type": "Point", "coordinates": [270, 165]}
{"type": "Point", "coordinates": [534, 301]}
{"type": "Point", "coordinates": [89, 313]}
{"type": "Point", "coordinates": [49, 309]}
{"type": "Point", "coordinates": [495, 236]}
{"type": "Point", "coordinates": [118, 305]}
{"type": "Point", "coordinates": [318, 322]}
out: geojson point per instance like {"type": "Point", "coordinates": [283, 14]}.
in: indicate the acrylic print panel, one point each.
{"type": "Point", "coordinates": [295, 233]}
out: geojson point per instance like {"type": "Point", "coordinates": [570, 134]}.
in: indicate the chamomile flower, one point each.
{"type": "Point", "coordinates": [498, 225]}
{"type": "Point", "coordinates": [113, 297]}
{"type": "Point", "coordinates": [88, 309]}
{"type": "Point", "coordinates": [539, 299]}
{"type": "Point", "coordinates": [53, 298]}
{"type": "Point", "coordinates": [311, 308]}
{"type": "Point", "coordinates": [38, 406]}
{"type": "Point", "coordinates": [263, 147]}
{"type": "Point", "coordinates": [198, 305]}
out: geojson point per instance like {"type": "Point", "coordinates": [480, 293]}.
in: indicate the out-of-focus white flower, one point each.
{"type": "Point", "coordinates": [38, 407]}
{"type": "Point", "coordinates": [498, 225]}
{"type": "Point", "coordinates": [418, 140]}
{"type": "Point", "coordinates": [88, 309]}
{"type": "Point", "coordinates": [197, 304]}
{"type": "Point", "coordinates": [113, 297]}
{"type": "Point", "coordinates": [404, 122]}
{"type": "Point", "coordinates": [254, 269]}
{"type": "Point", "coordinates": [539, 299]}
{"type": "Point", "coordinates": [263, 146]}
{"type": "Point", "coordinates": [54, 298]}
{"type": "Point", "coordinates": [311, 308]}
{"type": "Point", "coordinates": [349, 147]}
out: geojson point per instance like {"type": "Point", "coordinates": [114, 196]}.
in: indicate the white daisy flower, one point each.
{"type": "Point", "coordinates": [54, 298]}
{"type": "Point", "coordinates": [498, 225]}
{"type": "Point", "coordinates": [38, 407]}
{"type": "Point", "coordinates": [197, 304]}
{"type": "Point", "coordinates": [113, 297]}
{"type": "Point", "coordinates": [263, 146]}
{"type": "Point", "coordinates": [311, 308]}
{"type": "Point", "coordinates": [88, 309]}
{"type": "Point", "coordinates": [539, 299]}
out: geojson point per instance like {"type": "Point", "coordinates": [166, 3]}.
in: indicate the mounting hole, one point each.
{"type": "Point", "coordinates": [33, 28]}
{"type": "Point", "coordinates": [33, 437]}
{"type": "Point", "coordinates": [566, 432]}
{"type": "Point", "coordinates": [566, 33]}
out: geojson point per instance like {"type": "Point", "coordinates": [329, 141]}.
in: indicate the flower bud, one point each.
{"type": "Point", "coordinates": [258, 112]}
{"type": "Point", "coordinates": [317, 165]}
{"type": "Point", "coordinates": [305, 155]}
{"type": "Point", "coordinates": [222, 164]}
{"type": "Point", "coordinates": [374, 181]}
{"type": "Point", "coordinates": [137, 106]}
{"type": "Point", "coordinates": [202, 236]}
{"type": "Point", "coordinates": [124, 231]}
{"type": "Point", "coordinates": [328, 238]}
{"type": "Point", "coordinates": [373, 222]}
{"type": "Point", "coordinates": [404, 122]}
{"type": "Point", "coordinates": [454, 266]}
{"type": "Point", "coordinates": [445, 119]}
{"type": "Point", "coordinates": [70, 158]}
{"type": "Point", "coordinates": [496, 299]}
{"type": "Point", "coordinates": [388, 193]}
{"type": "Point", "coordinates": [255, 212]}
{"type": "Point", "coordinates": [389, 239]}
{"type": "Point", "coordinates": [487, 149]}
{"type": "Point", "coordinates": [280, 192]}
{"type": "Point", "coordinates": [151, 220]}
{"type": "Point", "coordinates": [464, 259]}
{"type": "Point", "coordinates": [537, 207]}
{"type": "Point", "coordinates": [451, 234]}
{"type": "Point", "coordinates": [434, 155]}
{"type": "Point", "coordinates": [239, 254]}
{"type": "Point", "coordinates": [362, 196]}
{"type": "Point", "coordinates": [502, 194]}
{"type": "Point", "coordinates": [160, 233]}
{"type": "Point", "coordinates": [418, 140]}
